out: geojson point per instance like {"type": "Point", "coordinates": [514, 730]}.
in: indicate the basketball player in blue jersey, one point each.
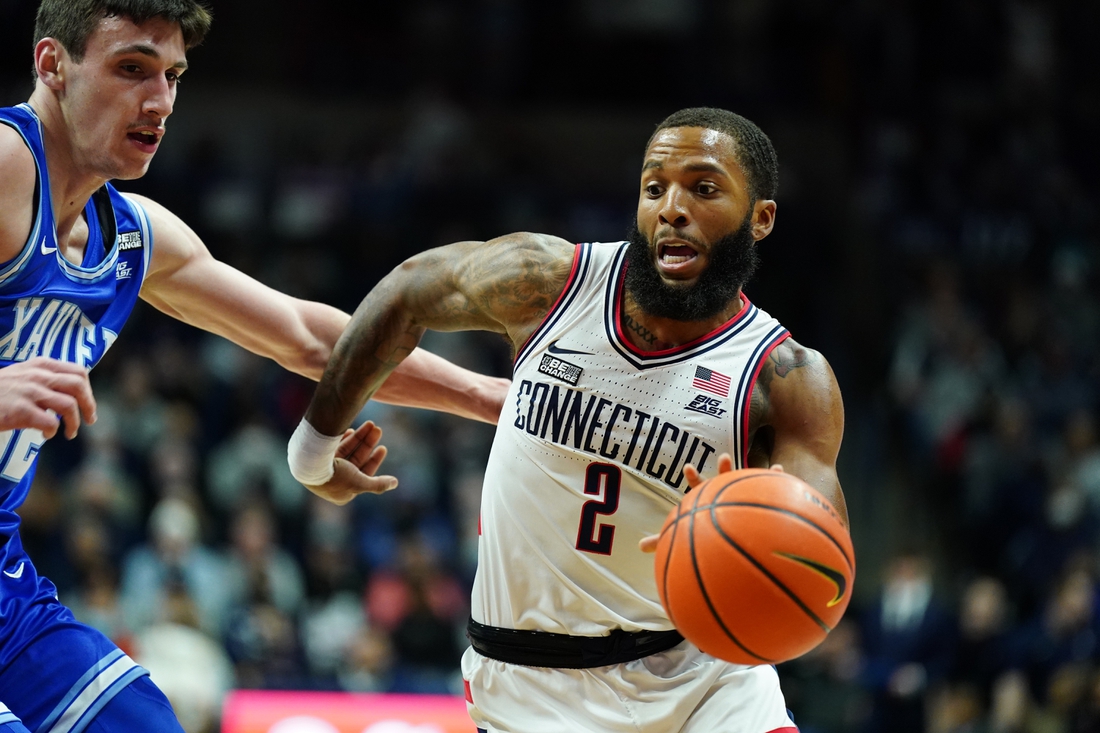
{"type": "Point", "coordinates": [640, 366]}
{"type": "Point", "coordinates": [75, 255]}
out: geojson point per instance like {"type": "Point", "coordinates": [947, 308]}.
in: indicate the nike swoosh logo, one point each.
{"type": "Point", "coordinates": [48, 250]}
{"type": "Point", "coordinates": [553, 348]}
{"type": "Point", "coordinates": [17, 574]}
{"type": "Point", "coordinates": [834, 576]}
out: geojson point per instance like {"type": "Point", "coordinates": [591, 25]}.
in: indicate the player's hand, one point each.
{"type": "Point", "coordinates": [725, 464]}
{"type": "Point", "coordinates": [357, 458]}
{"type": "Point", "coordinates": [36, 392]}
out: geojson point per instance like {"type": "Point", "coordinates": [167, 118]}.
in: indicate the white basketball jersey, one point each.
{"type": "Point", "coordinates": [590, 451]}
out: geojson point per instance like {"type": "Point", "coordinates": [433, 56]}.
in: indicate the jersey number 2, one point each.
{"type": "Point", "coordinates": [601, 479]}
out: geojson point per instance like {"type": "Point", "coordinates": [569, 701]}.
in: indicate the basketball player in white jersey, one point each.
{"type": "Point", "coordinates": [639, 365]}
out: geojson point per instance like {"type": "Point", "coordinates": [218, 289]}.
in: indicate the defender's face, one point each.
{"type": "Point", "coordinates": [693, 193]}
{"type": "Point", "coordinates": [117, 99]}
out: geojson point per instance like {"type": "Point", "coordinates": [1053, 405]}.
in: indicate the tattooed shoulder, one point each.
{"type": "Point", "coordinates": [783, 359]}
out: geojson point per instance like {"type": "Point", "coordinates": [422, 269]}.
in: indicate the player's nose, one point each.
{"type": "Point", "coordinates": [160, 99]}
{"type": "Point", "coordinates": [673, 210]}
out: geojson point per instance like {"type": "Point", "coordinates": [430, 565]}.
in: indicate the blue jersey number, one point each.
{"type": "Point", "coordinates": [26, 446]}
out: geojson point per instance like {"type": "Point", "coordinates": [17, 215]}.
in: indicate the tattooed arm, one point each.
{"type": "Point", "coordinates": [506, 285]}
{"type": "Point", "coordinates": [797, 419]}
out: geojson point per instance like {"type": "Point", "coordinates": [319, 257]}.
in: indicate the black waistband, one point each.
{"type": "Point", "coordinates": [543, 649]}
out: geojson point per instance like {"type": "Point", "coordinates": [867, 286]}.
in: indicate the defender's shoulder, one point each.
{"type": "Point", "coordinates": [17, 178]}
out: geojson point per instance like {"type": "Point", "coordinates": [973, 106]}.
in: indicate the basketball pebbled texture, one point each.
{"type": "Point", "coordinates": [755, 567]}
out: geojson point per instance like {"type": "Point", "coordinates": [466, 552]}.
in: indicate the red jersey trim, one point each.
{"type": "Point", "coordinates": [745, 442]}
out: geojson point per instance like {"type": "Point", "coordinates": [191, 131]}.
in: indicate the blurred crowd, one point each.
{"type": "Point", "coordinates": [938, 242]}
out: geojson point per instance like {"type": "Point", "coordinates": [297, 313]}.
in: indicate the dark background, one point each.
{"type": "Point", "coordinates": [936, 240]}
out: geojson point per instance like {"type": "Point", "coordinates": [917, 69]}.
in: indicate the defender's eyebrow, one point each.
{"type": "Point", "coordinates": [147, 50]}
{"type": "Point", "coordinates": [653, 165]}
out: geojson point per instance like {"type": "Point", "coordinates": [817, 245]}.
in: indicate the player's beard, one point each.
{"type": "Point", "coordinates": [733, 260]}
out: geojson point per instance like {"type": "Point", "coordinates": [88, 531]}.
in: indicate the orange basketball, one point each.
{"type": "Point", "coordinates": [755, 567]}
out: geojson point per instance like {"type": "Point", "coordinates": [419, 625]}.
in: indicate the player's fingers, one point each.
{"type": "Point", "coordinates": [375, 484]}
{"type": "Point", "coordinates": [38, 419]}
{"type": "Point", "coordinates": [374, 460]}
{"type": "Point", "coordinates": [725, 463]}
{"type": "Point", "coordinates": [55, 365]}
{"type": "Point", "coordinates": [649, 544]}
{"type": "Point", "coordinates": [348, 444]}
{"type": "Point", "coordinates": [64, 406]}
{"type": "Point", "coordinates": [78, 387]}
{"type": "Point", "coordinates": [691, 473]}
{"type": "Point", "coordinates": [777, 467]}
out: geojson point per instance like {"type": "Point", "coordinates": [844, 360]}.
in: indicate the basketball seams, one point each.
{"type": "Point", "coordinates": [793, 515]}
{"type": "Point", "coordinates": [767, 573]}
{"type": "Point", "coordinates": [703, 587]}
{"type": "Point", "coordinates": [668, 562]}
{"type": "Point", "coordinates": [757, 474]}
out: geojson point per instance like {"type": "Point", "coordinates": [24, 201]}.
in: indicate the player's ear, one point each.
{"type": "Point", "coordinates": [50, 60]}
{"type": "Point", "coordinates": [763, 218]}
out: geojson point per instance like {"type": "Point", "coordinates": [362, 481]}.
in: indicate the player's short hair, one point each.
{"type": "Point", "coordinates": [755, 152]}
{"type": "Point", "coordinates": [72, 21]}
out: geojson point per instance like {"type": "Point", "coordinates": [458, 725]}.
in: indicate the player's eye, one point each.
{"type": "Point", "coordinates": [706, 189]}
{"type": "Point", "coordinates": [173, 77]}
{"type": "Point", "coordinates": [653, 189]}
{"type": "Point", "coordinates": [131, 68]}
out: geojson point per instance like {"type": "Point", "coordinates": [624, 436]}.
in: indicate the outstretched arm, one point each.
{"type": "Point", "coordinates": [506, 285]}
{"type": "Point", "coordinates": [186, 282]}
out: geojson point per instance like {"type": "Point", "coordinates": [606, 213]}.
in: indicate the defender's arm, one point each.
{"type": "Point", "coordinates": [186, 282]}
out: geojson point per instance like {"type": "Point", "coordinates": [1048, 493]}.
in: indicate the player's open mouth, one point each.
{"type": "Point", "coordinates": [675, 255]}
{"type": "Point", "coordinates": [145, 139]}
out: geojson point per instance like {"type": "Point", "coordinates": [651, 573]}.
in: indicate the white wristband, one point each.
{"type": "Point", "coordinates": [311, 455]}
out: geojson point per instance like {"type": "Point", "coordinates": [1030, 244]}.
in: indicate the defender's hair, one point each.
{"type": "Point", "coordinates": [754, 150]}
{"type": "Point", "coordinates": [72, 21]}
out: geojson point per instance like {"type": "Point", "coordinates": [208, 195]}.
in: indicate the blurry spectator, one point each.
{"type": "Point", "coordinates": [249, 466]}
{"type": "Point", "coordinates": [95, 601]}
{"type": "Point", "coordinates": [255, 557]}
{"type": "Point", "coordinates": [138, 410]}
{"type": "Point", "coordinates": [263, 643]}
{"type": "Point", "coordinates": [368, 663]}
{"type": "Point", "coordinates": [1051, 648]}
{"type": "Point", "coordinates": [174, 555]}
{"type": "Point", "coordinates": [1077, 455]}
{"type": "Point", "coordinates": [981, 656]}
{"type": "Point", "coordinates": [334, 618]}
{"type": "Point", "coordinates": [189, 666]}
{"type": "Point", "coordinates": [1061, 530]}
{"type": "Point", "coordinates": [823, 685]}
{"type": "Point", "coordinates": [424, 609]}
{"type": "Point", "coordinates": [907, 638]}
{"type": "Point", "coordinates": [1002, 485]}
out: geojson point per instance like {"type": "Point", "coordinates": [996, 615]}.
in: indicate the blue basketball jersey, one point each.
{"type": "Point", "coordinates": [51, 307]}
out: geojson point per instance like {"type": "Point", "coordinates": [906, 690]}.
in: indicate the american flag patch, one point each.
{"type": "Point", "coordinates": [711, 381]}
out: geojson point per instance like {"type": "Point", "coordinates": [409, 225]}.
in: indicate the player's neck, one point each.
{"type": "Point", "coordinates": [71, 184]}
{"type": "Point", "coordinates": [654, 333]}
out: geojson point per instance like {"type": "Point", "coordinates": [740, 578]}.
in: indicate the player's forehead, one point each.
{"type": "Point", "coordinates": [116, 35]}
{"type": "Point", "coordinates": [690, 148]}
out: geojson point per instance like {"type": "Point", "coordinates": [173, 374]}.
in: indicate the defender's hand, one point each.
{"type": "Point", "coordinates": [725, 464]}
{"type": "Point", "coordinates": [36, 392]}
{"type": "Point", "coordinates": [357, 458]}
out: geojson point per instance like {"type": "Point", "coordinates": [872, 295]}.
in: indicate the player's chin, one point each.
{"type": "Point", "coordinates": [133, 170]}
